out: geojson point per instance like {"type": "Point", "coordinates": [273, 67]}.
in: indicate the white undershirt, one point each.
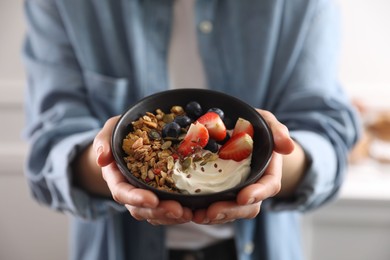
{"type": "Point", "coordinates": [186, 71]}
{"type": "Point", "coordinates": [184, 63]}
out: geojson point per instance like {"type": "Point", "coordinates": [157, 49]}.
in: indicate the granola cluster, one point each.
{"type": "Point", "coordinates": [151, 158]}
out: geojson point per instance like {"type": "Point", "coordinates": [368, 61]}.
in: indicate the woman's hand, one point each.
{"type": "Point", "coordinates": [142, 204]}
{"type": "Point", "coordinates": [249, 199]}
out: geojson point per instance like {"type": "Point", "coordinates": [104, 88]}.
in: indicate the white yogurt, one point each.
{"type": "Point", "coordinates": [212, 177]}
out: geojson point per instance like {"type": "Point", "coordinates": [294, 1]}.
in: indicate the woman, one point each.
{"type": "Point", "coordinates": [87, 61]}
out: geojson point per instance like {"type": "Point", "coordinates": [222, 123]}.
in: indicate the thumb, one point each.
{"type": "Point", "coordinates": [282, 140]}
{"type": "Point", "coordinates": [102, 143]}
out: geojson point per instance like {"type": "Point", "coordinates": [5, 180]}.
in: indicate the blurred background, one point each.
{"type": "Point", "coordinates": [356, 226]}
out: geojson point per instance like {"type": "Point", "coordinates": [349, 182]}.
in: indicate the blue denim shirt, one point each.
{"type": "Point", "coordinates": [89, 60]}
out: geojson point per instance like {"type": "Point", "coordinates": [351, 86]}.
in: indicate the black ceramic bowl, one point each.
{"type": "Point", "coordinates": [233, 108]}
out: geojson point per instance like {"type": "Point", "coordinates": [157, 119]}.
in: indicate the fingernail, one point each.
{"type": "Point", "coordinates": [220, 216]}
{"type": "Point", "coordinates": [99, 152]}
{"type": "Point", "coordinates": [170, 215]}
{"type": "Point", "coordinates": [250, 201]}
{"type": "Point", "coordinates": [206, 221]}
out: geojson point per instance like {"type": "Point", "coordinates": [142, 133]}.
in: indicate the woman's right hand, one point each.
{"type": "Point", "coordinates": [142, 204]}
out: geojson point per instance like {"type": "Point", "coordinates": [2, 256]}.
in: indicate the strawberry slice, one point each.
{"type": "Point", "coordinates": [214, 124]}
{"type": "Point", "coordinates": [239, 147]}
{"type": "Point", "coordinates": [196, 137]}
{"type": "Point", "coordinates": [243, 126]}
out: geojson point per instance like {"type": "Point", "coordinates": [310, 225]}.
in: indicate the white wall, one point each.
{"type": "Point", "coordinates": [365, 56]}
{"type": "Point", "coordinates": [29, 231]}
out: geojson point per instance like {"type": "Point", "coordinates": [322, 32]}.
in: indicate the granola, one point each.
{"type": "Point", "coordinates": [150, 157]}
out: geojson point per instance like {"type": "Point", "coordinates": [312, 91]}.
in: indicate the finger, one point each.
{"type": "Point", "coordinates": [186, 217]}
{"type": "Point", "coordinates": [158, 222]}
{"type": "Point", "coordinates": [172, 209]}
{"type": "Point", "coordinates": [159, 214]}
{"type": "Point", "coordinates": [167, 212]}
{"type": "Point", "coordinates": [125, 193]}
{"type": "Point", "coordinates": [267, 186]}
{"type": "Point", "coordinates": [102, 143]}
{"type": "Point", "coordinates": [228, 211]}
{"type": "Point", "coordinates": [140, 213]}
{"type": "Point", "coordinates": [282, 140]}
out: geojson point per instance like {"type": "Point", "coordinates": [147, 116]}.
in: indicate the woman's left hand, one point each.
{"type": "Point", "coordinates": [248, 202]}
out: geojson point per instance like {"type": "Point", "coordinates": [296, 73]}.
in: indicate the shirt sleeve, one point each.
{"type": "Point", "coordinates": [315, 108]}
{"type": "Point", "coordinates": [59, 122]}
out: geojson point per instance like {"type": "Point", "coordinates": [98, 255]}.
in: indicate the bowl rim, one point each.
{"type": "Point", "coordinates": [249, 180]}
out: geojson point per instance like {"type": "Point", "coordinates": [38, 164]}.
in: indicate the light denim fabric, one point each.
{"type": "Point", "coordinates": [89, 60]}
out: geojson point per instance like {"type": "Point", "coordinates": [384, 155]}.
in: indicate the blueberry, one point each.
{"type": "Point", "coordinates": [183, 121]}
{"type": "Point", "coordinates": [171, 130]}
{"type": "Point", "coordinates": [212, 146]}
{"type": "Point", "coordinates": [194, 110]}
{"type": "Point", "coordinates": [218, 111]}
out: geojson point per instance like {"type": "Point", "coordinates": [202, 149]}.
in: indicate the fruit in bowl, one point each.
{"type": "Point", "coordinates": [188, 149]}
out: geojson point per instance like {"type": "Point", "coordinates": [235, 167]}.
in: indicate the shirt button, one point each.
{"type": "Point", "coordinates": [248, 248]}
{"type": "Point", "coordinates": [206, 27]}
